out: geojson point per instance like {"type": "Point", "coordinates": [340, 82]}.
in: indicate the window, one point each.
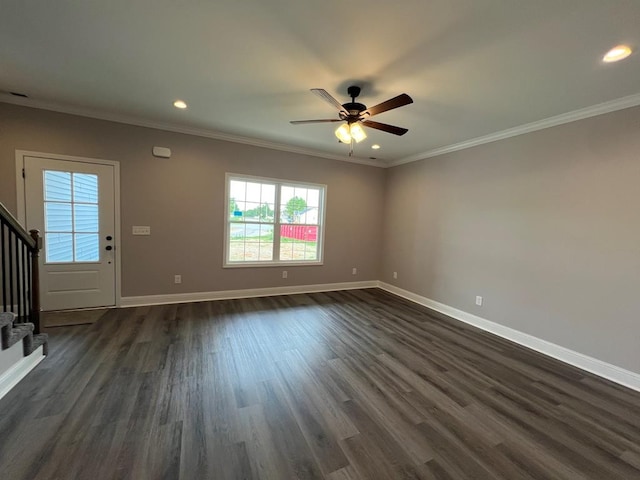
{"type": "Point", "coordinates": [273, 221]}
{"type": "Point", "coordinates": [71, 232]}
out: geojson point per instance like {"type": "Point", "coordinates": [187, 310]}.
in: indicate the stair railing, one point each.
{"type": "Point", "coordinates": [19, 276]}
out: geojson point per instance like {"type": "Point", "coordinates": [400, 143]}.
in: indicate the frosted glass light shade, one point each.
{"type": "Point", "coordinates": [357, 132]}
{"type": "Point", "coordinates": [343, 134]}
{"type": "Point", "coordinates": [347, 132]}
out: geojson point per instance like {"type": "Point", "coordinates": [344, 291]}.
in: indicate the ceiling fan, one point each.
{"type": "Point", "coordinates": [357, 115]}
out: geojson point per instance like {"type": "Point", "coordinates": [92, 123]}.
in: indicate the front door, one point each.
{"type": "Point", "coordinates": [73, 205]}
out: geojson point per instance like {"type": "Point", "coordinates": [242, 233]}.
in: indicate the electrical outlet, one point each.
{"type": "Point", "coordinates": [177, 279]}
{"type": "Point", "coordinates": [479, 300]}
{"type": "Point", "coordinates": [354, 271]}
{"type": "Point", "coordinates": [284, 274]}
{"type": "Point", "coordinates": [395, 275]}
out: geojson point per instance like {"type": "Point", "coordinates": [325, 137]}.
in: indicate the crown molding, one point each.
{"type": "Point", "coordinates": [580, 114]}
{"type": "Point", "coordinates": [592, 111]}
{"type": "Point", "coordinates": [169, 127]}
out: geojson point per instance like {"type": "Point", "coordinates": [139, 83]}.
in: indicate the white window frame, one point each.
{"type": "Point", "coordinates": [278, 182]}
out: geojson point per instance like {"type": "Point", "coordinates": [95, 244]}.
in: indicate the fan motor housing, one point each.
{"type": "Point", "coordinates": [354, 108]}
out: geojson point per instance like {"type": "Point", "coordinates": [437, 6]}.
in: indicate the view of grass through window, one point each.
{"type": "Point", "coordinates": [273, 222]}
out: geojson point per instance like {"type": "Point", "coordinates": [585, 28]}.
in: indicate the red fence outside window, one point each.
{"type": "Point", "coordinates": [299, 232]}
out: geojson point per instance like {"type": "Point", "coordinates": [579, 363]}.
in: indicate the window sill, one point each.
{"type": "Point", "coordinates": [272, 264]}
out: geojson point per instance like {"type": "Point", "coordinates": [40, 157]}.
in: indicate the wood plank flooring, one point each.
{"type": "Point", "coordinates": [339, 386]}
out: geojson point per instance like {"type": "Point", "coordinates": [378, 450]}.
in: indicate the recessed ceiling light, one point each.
{"type": "Point", "coordinates": [179, 104]}
{"type": "Point", "coordinates": [375, 147]}
{"type": "Point", "coordinates": [617, 53]}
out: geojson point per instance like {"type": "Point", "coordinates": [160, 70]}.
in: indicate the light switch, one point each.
{"type": "Point", "coordinates": [141, 230]}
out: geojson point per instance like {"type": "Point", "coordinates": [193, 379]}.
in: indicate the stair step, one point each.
{"type": "Point", "coordinates": [12, 333]}
{"type": "Point", "coordinates": [32, 342]}
{"type": "Point", "coordinates": [11, 336]}
{"type": "Point", "coordinates": [6, 318]}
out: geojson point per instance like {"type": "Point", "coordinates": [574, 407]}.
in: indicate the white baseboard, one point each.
{"type": "Point", "coordinates": [20, 369]}
{"type": "Point", "coordinates": [244, 293]}
{"type": "Point", "coordinates": [598, 367]}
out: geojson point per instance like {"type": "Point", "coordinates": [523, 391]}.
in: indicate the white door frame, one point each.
{"type": "Point", "coordinates": [20, 156]}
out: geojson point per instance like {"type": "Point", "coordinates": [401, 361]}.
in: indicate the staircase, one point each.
{"type": "Point", "coordinates": [20, 301]}
{"type": "Point", "coordinates": [12, 333]}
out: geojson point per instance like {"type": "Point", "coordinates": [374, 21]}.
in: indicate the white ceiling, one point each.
{"type": "Point", "coordinates": [473, 67]}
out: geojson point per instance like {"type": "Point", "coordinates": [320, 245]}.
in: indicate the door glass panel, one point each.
{"type": "Point", "coordinates": [85, 188]}
{"type": "Point", "coordinates": [57, 186]}
{"type": "Point", "coordinates": [59, 247]}
{"type": "Point", "coordinates": [71, 217]}
{"type": "Point", "coordinates": [58, 217]}
{"type": "Point", "coordinates": [87, 247]}
{"type": "Point", "coordinates": [85, 218]}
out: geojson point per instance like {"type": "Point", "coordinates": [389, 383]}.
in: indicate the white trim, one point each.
{"type": "Point", "coordinates": [170, 127]}
{"type": "Point", "coordinates": [244, 293]}
{"type": "Point", "coordinates": [598, 367]}
{"type": "Point", "coordinates": [19, 370]}
{"type": "Point", "coordinates": [592, 111]}
{"type": "Point", "coordinates": [21, 199]}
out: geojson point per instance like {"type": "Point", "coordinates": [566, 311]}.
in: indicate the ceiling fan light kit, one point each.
{"type": "Point", "coordinates": [350, 131]}
{"type": "Point", "coordinates": [356, 115]}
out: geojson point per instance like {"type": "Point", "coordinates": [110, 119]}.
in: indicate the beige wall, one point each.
{"type": "Point", "coordinates": [545, 226]}
{"type": "Point", "coordinates": [182, 200]}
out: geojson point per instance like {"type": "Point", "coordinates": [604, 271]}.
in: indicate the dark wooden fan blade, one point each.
{"type": "Point", "coordinates": [326, 96]}
{"type": "Point", "coordinates": [385, 128]}
{"type": "Point", "coordinates": [297, 122]}
{"type": "Point", "coordinates": [395, 102]}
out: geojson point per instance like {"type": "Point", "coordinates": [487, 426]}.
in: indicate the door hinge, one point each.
{"type": "Point", "coordinates": [23, 175]}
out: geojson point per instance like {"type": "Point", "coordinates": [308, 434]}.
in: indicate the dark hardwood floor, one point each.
{"type": "Point", "coordinates": [342, 385]}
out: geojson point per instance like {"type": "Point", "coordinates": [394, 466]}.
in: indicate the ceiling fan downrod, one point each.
{"type": "Point", "coordinates": [353, 108]}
